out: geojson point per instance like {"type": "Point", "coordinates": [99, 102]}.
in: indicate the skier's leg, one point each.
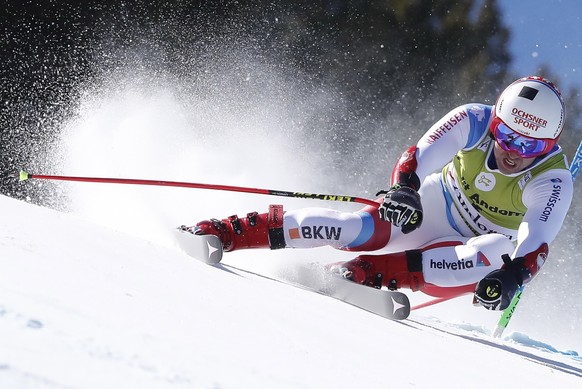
{"type": "Point", "coordinates": [353, 231]}
{"type": "Point", "coordinates": [304, 228]}
{"type": "Point", "coordinates": [442, 268]}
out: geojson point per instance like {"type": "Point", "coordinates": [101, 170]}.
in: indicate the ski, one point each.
{"type": "Point", "coordinates": [205, 248]}
{"type": "Point", "coordinates": [392, 305]}
{"type": "Point", "coordinates": [389, 304]}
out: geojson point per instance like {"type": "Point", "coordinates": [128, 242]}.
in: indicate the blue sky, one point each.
{"type": "Point", "coordinates": [546, 32]}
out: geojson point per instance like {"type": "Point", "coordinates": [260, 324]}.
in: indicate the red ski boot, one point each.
{"type": "Point", "coordinates": [256, 230]}
{"type": "Point", "coordinates": [397, 270]}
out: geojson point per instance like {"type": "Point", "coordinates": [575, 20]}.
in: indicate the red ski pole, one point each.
{"type": "Point", "coordinates": [315, 196]}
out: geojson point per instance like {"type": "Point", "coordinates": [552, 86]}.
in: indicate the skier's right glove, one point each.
{"type": "Point", "coordinates": [497, 289]}
{"type": "Point", "coordinates": [401, 207]}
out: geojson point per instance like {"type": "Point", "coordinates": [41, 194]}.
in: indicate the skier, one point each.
{"type": "Point", "coordinates": [472, 207]}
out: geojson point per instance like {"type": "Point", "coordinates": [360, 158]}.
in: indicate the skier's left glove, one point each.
{"type": "Point", "coordinates": [401, 207]}
{"type": "Point", "coordinates": [497, 289]}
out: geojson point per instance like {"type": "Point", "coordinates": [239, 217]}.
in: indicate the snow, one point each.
{"type": "Point", "coordinates": [99, 296]}
{"type": "Point", "coordinates": [83, 305]}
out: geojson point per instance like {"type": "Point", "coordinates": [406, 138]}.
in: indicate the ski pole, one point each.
{"type": "Point", "coordinates": [507, 314]}
{"type": "Point", "coordinates": [434, 301]}
{"type": "Point", "coordinates": [314, 196]}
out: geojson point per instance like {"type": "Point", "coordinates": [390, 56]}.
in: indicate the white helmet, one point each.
{"type": "Point", "coordinates": [532, 106]}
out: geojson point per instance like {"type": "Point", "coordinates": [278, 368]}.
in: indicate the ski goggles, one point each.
{"type": "Point", "coordinates": [525, 146]}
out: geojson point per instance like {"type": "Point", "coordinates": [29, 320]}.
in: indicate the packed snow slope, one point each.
{"type": "Point", "coordinates": [86, 306]}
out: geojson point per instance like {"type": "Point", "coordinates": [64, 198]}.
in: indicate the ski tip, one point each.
{"type": "Point", "coordinates": [24, 175]}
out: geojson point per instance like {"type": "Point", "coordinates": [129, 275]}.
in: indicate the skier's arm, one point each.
{"type": "Point", "coordinates": [458, 129]}
{"type": "Point", "coordinates": [462, 127]}
{"type": "Point", "coordinates": [402, 206]}
{"type": "Point", "coordinates": [548, 199]}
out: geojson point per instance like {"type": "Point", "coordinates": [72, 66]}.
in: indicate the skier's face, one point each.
{"type": "Point", "coordinates": [510, 162]}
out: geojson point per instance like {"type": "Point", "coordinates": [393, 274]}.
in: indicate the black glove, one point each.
{"type": "Point", "coordinates": [401, 207]}
{"type": "Point", "coordinates": [497, 289]}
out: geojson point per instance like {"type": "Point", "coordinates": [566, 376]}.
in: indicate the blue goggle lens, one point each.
{"type": "Point", "coordinates": [526, 147]}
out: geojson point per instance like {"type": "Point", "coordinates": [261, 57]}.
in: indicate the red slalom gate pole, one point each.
{"type": "Point", "coordinates": [314, 196]}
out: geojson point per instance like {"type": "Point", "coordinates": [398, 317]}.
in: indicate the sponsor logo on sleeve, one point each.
{"type": "Point", "coordinates": [552, 200]}
{"type": "Point", "coordinates": [446, 126]}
